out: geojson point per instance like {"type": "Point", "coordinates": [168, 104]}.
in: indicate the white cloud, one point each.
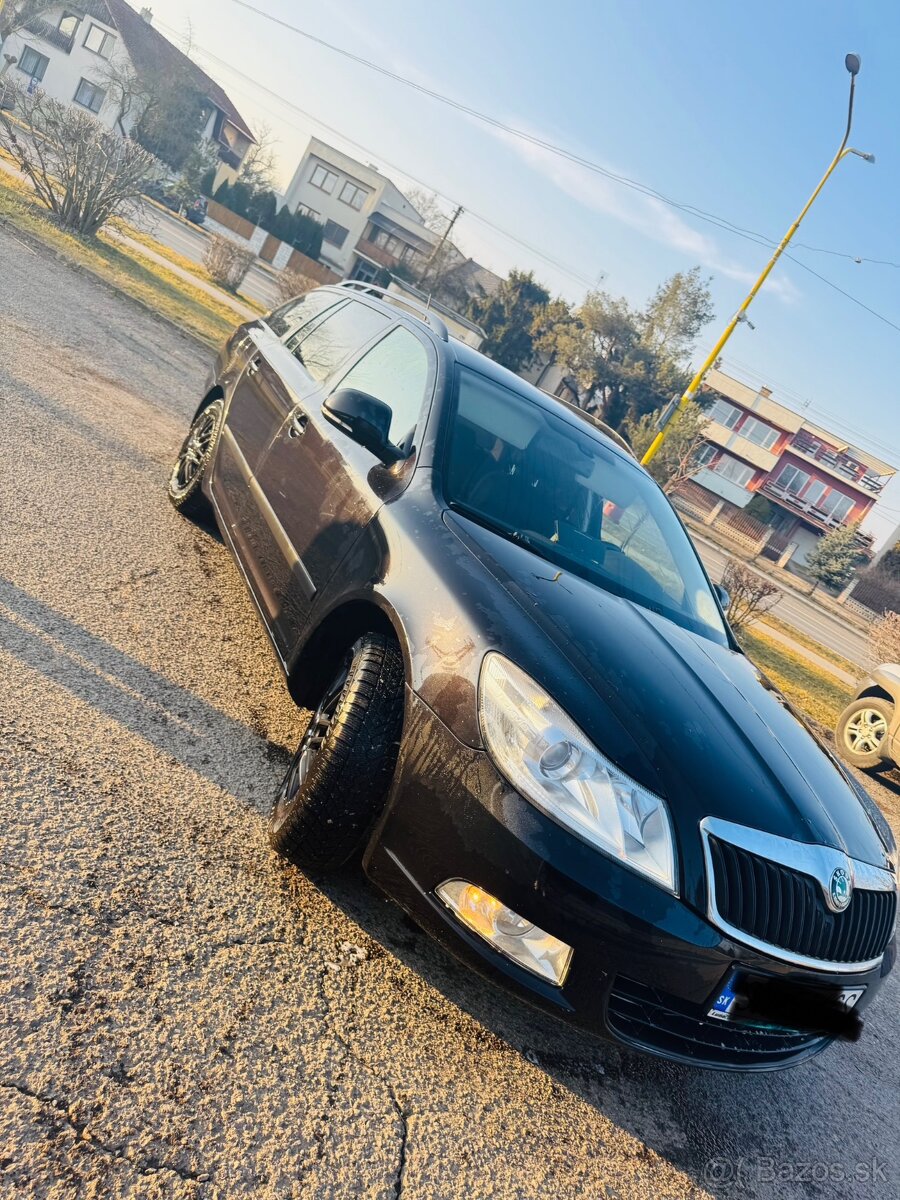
{"type": "Point", "coordinates": [645, 214]}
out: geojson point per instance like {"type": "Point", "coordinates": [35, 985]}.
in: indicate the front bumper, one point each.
{"type": "Point", "coordinates": [646, 968]}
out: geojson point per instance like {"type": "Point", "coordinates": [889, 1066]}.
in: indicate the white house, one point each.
{"type": "Point", "coordinates": [369, 223]}
{"type": "Point", "coordinates": [69, 50]}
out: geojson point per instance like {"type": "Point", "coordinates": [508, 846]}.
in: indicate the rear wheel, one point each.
{"type": "Point", "coordinates": [339, 778]}
{"type": "Point", "coordinates": [862, 731]}
{"type": "Point", "coordinates": [193, 460]}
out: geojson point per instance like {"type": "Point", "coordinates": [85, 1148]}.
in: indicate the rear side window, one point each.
{"type": "Point", "coordinates": [295, 314]}
{"type": "Point", "coordinates": [395, 371]}
{"type": "Point", "coordinates": [323, 348]}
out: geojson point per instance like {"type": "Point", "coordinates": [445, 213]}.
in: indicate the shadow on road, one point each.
{"type": "Point", "coordinates": [688, 1116]}
{"type": "Point", "coordinates": [170, 717]}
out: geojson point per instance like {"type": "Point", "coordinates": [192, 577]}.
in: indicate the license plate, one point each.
{"type": "Point", "coordinates": [847, 997]}
{"type": "Point", "coordinates": [726, 1001]}
{"type": "Point", "coordinates": [729, 1002]}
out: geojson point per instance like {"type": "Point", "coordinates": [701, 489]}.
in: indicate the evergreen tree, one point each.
{"type": "Point", "coordinates": [508, 318]}
{"type": "Point", "coordinates": [836, 556]}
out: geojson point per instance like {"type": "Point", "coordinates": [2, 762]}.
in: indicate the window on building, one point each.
{"type": "Point", "coordinates": [90, 96]}
{"type": "Point", "coordinates": [322, 347]}
{"type": "Point", "coordinates": [705, 454]}
{"type": "Point", "coordinates": [759, 433]}
{"type": "Point", "coordinates": [305, 211]}
{"type": "Point", "coordinates": [395, 371]}
{"type": "Point", "coordinates": [323, 179]}
{"type": "Point", "coordinates": [99, 41]}
{"type": "Point", "coordinates": [837, 505]}
{"type": "Point", "coordinates": [731, 468]}
{"type": "Point", "coordinates": [68, 24]}
{"type": "Point", "coordinates": [726, 414]}
{"type": "Point", "coordinates": [366, 271]}
{"type": "Point", "coordinates": [353, 195]}
{"type": "Point", "coordinates": [335, 234]}
{"type": "Point", "coordinates": [814, 493]}
{"type": "Point", "coordinates": [33, 64]}
{"type": "Point", "coordinates": [792, 479]}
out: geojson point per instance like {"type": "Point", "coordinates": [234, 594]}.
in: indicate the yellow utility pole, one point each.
{"type": "Point", "coordinates": [852, 63]}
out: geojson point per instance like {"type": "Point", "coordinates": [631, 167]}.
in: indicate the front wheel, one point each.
{"type": "Point", "coordinates": [193, 460]}
{"type": "Point", "coordinates": [339, 778]}
{"type": "Point", "coordinates": [862, 730]}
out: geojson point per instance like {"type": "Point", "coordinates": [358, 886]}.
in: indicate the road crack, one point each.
{"type": "Point", "coordinates": [146, 1166]}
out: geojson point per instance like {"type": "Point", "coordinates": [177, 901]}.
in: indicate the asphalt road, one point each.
{"type": "Point", "coordinates": [191, 242]}
{"type": "Point", "coordinates": [796, 610]}
{"type": "Point", "coordinates": [182, 1015]}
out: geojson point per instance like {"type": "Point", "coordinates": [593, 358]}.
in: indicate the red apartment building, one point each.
{"type": "Point", "coordinates": [779, 469]}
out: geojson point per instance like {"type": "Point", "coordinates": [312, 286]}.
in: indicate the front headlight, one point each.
{"type": "Point", "coordinates": [547, 758]}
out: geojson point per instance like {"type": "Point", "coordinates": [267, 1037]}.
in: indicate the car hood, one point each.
{"type": "Point", "coordinates": [717, 738]}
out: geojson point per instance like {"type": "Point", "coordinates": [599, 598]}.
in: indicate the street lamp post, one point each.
{"type": "Point", "coordinates": [852, 63]}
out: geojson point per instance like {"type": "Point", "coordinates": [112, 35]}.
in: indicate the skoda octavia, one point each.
{"type": "Point", "coordinates": [529, 715]}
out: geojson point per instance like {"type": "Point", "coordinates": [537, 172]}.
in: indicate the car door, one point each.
{"type": "Point", "coordinates": [319, 481]}
{"type": "Point", "coordinates": [259, 404]}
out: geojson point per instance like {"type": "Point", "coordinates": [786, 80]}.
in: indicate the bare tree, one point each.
{"type": "Point", "coordinates": [291, 284]}
{"type": "Point", "coordinates": [227, 262]}
{"type": "Point", "coordinates": [884, 639]}
{"type": "Point", "coordinates": [429, 208]}
{"type": "Point", "coordinates": [258, 168]}
{"type": "Point", "coordinates": [679, 458]}
{"type": "Point", "coordinates": [16, 14]}
{"type": "Point", "coordinates": [82, 171]}
{"type": "Point", "coordinates": [751, 594]}
{"type": "Point", "coordinates": [134, 95]}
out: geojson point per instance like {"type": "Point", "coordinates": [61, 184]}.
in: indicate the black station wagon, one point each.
{"type": "Point", "coordinates": [530, 716]}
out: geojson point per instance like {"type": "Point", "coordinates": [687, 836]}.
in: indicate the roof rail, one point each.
{"type": "Point", "coordinates": [419, 310]}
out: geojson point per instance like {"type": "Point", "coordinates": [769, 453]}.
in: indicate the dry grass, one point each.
{"type": "Point", "coordinates": [810, 643]}
{"type": "Point", "coordinates": [814, 691]}
{"type": "Point", "coordinates": [177, 260]}
{"type": "Point", "coordinates": [194, 311]}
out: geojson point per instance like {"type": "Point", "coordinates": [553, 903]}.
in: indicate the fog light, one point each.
{"type": "Point", "coordinates": [516, 938]}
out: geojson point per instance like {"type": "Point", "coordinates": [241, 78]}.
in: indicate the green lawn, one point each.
{"type": "Point", "coordinates": [193, 310]}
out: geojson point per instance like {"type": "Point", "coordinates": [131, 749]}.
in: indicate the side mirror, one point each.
{"type": "Point", "coordinates": [364, 418]}
{"type": "Point", "coordinates": [724, 598]}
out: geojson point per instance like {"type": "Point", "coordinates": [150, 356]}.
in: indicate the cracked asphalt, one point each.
{"type": "Point", "coordinates": [182, 1014]}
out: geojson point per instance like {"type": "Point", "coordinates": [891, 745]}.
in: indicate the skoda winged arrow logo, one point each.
{"type": "Point", "coordinates": [840, 890]}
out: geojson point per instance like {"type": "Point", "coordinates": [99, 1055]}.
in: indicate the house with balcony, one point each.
{"type": "Point", "coordinates": [72, 50]}
{"type": "Point", "coordinates": [767, 462]}
{"type": "Point", "coordinates": [369, 224]}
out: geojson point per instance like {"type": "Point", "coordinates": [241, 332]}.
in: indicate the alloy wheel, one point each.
{"type": "Point", "coordinates": [865, 731]}
{"type": "Point", "coordinates": [191, 459]}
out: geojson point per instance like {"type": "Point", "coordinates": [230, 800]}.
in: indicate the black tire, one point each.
{"type": "Point", "coordinates": [193, 459]}
{"type": "Point", "coordinates": [862, 730]}
{"type": "Point", "coordinates": [339, 778]}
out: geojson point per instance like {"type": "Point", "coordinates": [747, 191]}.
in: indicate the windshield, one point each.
{"type": "Point", "coordinates": [555, 487]}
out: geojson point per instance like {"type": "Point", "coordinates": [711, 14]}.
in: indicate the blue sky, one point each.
{"type": "Point", "coordinates": [733, 108]}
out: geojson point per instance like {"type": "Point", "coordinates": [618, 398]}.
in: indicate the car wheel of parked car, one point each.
{"type": "Point", "coordinates": [861, 731]}
{"type": "Point", "coordinates": [193, 459]}
{"type": "Point", "coordinates": [340, 775]}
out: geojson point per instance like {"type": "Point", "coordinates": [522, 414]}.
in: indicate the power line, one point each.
{"type": "Point", "coordinates": [581, 278]}
{"type": "Point", "coordinates": [560, 151]}
{"type": "Point", "coordinates": [849, 296]}
{"type": "Point", "coordinates": [865, 441]}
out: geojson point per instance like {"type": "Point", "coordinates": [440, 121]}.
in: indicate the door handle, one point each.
{"type": "Point", "coordinates": [298, 424]}
{"type": "Point", "coordinates": [253, 369]}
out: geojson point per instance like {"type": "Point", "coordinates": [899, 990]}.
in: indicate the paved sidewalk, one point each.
{"type": "Point", "coordinates": [243, 310]}
{"type": "Point", "coordinates": [818, 660]}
